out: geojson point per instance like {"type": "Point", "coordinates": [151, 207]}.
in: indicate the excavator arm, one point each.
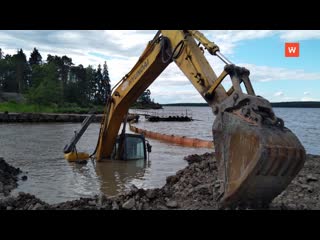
{"type": "Point", "coordinates": [257, 155]}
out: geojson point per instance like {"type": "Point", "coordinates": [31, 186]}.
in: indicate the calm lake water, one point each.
{"type": "Point", "coordinates": [38, 150]}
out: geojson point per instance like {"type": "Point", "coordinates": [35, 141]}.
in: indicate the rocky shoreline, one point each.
{"type": "Point", "coordinates": [45, 117]}
{"type": "Point", "coordinates": [194, 187]}
{"type": "Point", "coordinates": [8, 178]}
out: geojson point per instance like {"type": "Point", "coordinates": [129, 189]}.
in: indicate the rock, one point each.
{"type": "Point", "coordinates": [292, 206]}
{"type": "Point", "coordinates": [311, 178]}
{"type": "Point", "coordinates": [150, 194]}
{"type": "Point", "coordinates": [171, 180]}
{"type": "Point", "coordinates": [1, 187]}
{"type": "Point", "coordinates": [129, 204]}
{"type": "Point", "coordinates": [9, 208]}
{"type": "Point", "coordinates": [145, 206]}
{"type": "Point", "coordinates": [161, 207]}
{"type": "Point", "coordinates": [193, 159]}
{"type": "Point", "coordinates": [195, 182]}
{"type": "Point", "coordinates": [304, 186]}
{"type": "Point", "coordinates": [172, 204]}
{"type": "Point", "coordinates": [133, 189]}
{"type": "Point", "coordinates": [8, 187]}
{"type": "Point", "coordinates": [140, 206]}
{"type": "Point", "coordinates": [37, 206]}
{"type": "Point", "coordinates": [92, 203]}
{"type": "Point", "coordinates": [24, 178]}
{"type": "Point", "coordinates": [115, 206]}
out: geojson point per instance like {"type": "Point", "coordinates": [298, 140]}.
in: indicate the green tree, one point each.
{"type": "Point", "coordinates": [145, 97]}
{"type": "Point", "coordinates": [22, 71]}
{"type": "Point", "coordinates": [98, 87]}
{"type": "Point", "coordinates": [49, 89]}
{"type": "Point", "coordinates": [77, 90]}
{"type": "Point", "coordinates": [63, 65]}
{"type": "Point", "coordinates": [38, 74]}
{"type": "Point", "coordinates": [2, 69]}
{"type": "Point", "coordinates": [35, 58]}
{"type": "Point", "coordinates": [90, 78]}
{"type": "Point", "coordinates": [106, 87]}
{"type": "Point", "coordinates": [8, 74]}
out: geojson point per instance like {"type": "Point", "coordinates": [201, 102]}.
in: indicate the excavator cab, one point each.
{"type": "Point", "coordinates": [131, 147]}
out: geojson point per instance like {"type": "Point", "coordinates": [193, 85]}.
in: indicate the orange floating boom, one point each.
{"type": "Point", "coordinates": [175, 139]}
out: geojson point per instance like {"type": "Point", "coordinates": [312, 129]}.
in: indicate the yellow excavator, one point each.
{"type": "Point", "coordinates": [257, 155]}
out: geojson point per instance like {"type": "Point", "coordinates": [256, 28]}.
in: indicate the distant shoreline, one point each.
{"type": "Point", "coordinates": [277, 104]}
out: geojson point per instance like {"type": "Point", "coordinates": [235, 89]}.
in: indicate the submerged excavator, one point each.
{"type": "Point", "coordinates": [257, 155]}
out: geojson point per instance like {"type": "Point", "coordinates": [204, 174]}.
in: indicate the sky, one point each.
{"type": "Point", "coordinates": [274, 76]}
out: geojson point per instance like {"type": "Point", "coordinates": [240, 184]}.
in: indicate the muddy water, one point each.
{"type": "Point", "coordinates": [37, 149]}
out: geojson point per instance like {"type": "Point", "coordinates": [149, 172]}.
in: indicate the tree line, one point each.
{"type": "Point", "coordinates": [55, 81]}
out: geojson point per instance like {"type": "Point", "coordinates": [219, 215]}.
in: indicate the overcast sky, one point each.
{"type": "Point", "coordinates": [274, 76]}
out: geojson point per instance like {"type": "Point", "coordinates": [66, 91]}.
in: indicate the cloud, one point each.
{"type": "Point", "coordinates": [278, 94]}
{"type": "Point", "coordinates": [306, 93]}
{"type": "Point", "coordinates": [121, 49]}
{"type": "Point", "coordinates": [267, 73]}
{"type": "Point", "coordinates": [308, 99]}
{"type": "Point", "coordinates": [176, 96]}
{"type": "Point", "coordinates": [228, 39]}
{"type": "Point", "coordinates": [298, 35]}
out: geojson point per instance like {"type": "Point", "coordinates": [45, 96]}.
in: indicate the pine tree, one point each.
{"type": "Point", "coordinates": [78, 87]}
{"type": "Point", "coordinates": [35, 58]}
{"type": "Point", "coordinates": [2, 70]}
{"type": "Point", "coordinates": [63, 65]}
{"type": "Point", "coordinates": [106, 80]}
{"type": "Point", "coordinates": [8, 73]}
{"type": "Point", "coordinates": [90, 79]}
{"type": "Point", "coordinates": [99, 96]}
{"type": "Point", "coordinates": [22, 71]}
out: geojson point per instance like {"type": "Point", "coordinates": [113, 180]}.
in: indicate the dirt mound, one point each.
{"type": "Point", "coordinates": [8, 177]}
{"type": "Point", "coordinates": [194, 187]}
{"type": "Point", "coordinates": [24, 201]}
{"type": "Point", "coordinates": [304, 191]}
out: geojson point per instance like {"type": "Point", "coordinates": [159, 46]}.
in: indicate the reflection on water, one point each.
{"type": "Point", "coordinates": [37, 149]}
{"type": "Point", "coordinates": [115, 174]}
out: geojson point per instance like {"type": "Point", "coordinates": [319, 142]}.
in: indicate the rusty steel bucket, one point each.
{"type": "Point", "coordinates": [256, 162]}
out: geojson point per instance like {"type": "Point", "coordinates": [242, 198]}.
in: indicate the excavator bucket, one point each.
{"type": "Point", "coordinates": [256, 161]}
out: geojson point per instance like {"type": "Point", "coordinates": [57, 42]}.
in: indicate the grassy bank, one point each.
{"type": "Point", "coordinates": [35, 108]}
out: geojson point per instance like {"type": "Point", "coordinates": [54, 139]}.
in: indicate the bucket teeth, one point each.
{"type": "Point", "coordinates": [256, 162]}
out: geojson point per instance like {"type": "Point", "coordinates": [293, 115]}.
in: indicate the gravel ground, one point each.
{"type": "Point", "coordinates": [194, 187]}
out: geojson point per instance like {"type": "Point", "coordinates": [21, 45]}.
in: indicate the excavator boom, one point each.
{"type": "Point", "coordinates": [257, 155]}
